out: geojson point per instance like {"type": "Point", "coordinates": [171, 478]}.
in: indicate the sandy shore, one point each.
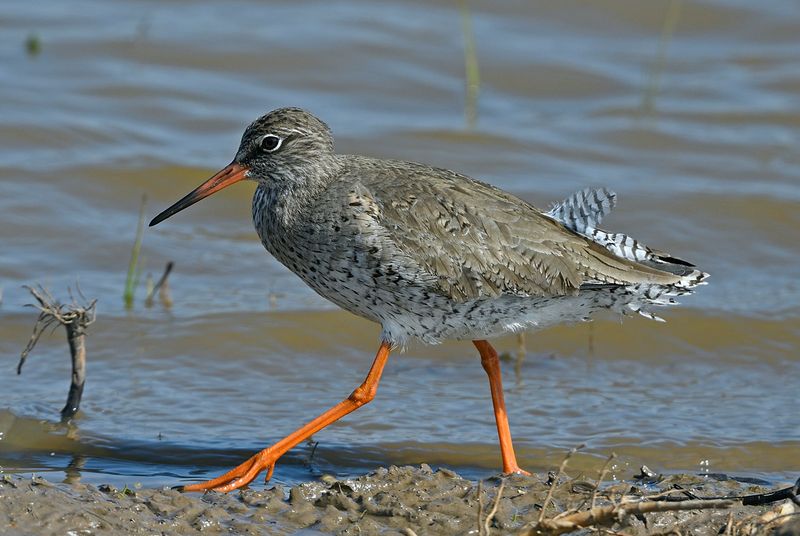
{"type": "Point", "coordinates": [398, 500]}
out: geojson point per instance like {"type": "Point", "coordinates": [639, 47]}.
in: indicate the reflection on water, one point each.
{"type": "Point", "coordinates": [127, 98]}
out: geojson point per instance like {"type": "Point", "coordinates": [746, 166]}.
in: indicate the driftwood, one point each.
{"type": "Point", "coordinates": [75, 318]}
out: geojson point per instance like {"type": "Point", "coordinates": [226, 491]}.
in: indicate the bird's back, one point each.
{"type": "Point", "coordinates": [480, 241]}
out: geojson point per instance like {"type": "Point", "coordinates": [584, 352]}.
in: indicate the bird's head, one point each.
{"type": "Point", "coordinates": [284, 145]}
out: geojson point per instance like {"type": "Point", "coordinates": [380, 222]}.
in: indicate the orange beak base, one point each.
{"type": "Point", "coordinates": [228, 175]}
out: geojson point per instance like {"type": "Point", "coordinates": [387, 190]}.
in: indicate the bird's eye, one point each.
{"type": "Point", "coordinates": [270, 143]}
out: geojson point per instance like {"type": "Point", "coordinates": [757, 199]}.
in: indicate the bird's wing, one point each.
{"type": "Point", "coordinates": [477, 241]}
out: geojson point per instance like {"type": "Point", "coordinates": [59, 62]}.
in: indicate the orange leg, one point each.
{"type": "Point", "coordinates": [265, 460]}
{"type": "Point", "coordinates": [491, 364]}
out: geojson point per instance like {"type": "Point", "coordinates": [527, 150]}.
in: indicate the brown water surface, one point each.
{"type": "Point", "coordinates": [128, 98]}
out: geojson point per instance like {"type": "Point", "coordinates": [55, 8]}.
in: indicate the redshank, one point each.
{"type": "Point", "coordinates": [429, 254]}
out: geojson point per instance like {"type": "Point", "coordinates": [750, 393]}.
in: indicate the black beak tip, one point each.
{"type": "Point", "coordinates": [161, 217]}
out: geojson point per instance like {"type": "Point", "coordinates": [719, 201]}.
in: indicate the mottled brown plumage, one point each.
{"type": "Point", "coordinates": [478, 241]}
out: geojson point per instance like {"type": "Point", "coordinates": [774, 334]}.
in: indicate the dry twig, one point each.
{"type": "Point", "coordinates": [487, 523]}
{"type": "Point", "coordinates": [603, 472]}
{"type": "Point", "coordinates": [75, 317]}
{"type": "Point", "coordinates": [553, 484]}
{"type": "Point", "coordinates": [162, 287]}
{"type": "Point", "coordinates": [603, 515]}
{"type": "Point", "coordinates": [481, 531]}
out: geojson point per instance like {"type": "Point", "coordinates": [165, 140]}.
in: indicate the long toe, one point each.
{"type": "Point", "coordinates": [237, 477]}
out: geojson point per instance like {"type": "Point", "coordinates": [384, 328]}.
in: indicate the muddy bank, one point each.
{"type": "Point", "coordinates": [398, 500]}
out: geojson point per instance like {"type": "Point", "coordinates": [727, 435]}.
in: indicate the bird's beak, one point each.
{"type": "Point", "coordinates": [231, 173]}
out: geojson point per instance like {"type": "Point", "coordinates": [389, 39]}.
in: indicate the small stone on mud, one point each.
{"type": "Point", "coordinates": [448, 473]}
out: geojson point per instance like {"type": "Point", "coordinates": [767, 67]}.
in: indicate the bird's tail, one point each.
{"type": "Point", "coordinates": [582, 213]}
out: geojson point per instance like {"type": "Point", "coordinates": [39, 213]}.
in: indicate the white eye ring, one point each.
{"type": "Point", "coordinates": [270, 142]}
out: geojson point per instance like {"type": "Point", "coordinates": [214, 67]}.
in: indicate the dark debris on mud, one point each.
{"type": "Point", "coordinates": [399, 500]}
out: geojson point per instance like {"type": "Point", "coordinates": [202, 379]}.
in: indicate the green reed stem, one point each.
{"type": "Point", "coordinates": [134, 270]}
{"type": "Point", "coordinates": [472, 73]}
{"type": "Point", "coordinates": [654, 80]}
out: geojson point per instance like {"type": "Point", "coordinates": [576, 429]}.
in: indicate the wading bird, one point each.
{"type": "Point", "coordinates": [429, 254]}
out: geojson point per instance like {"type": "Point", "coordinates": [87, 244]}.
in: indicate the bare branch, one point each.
{"type": "Point", "coordinates": [493, 511]}
{"type": "Point", "coordinates": [161, 287]}
{"type": "Point", "coordinates": [603, 515]}
{"type": "Point", "coordinates": [75, 317]}
{"type": "Point", "coordinates": [600, 480]}
{"type": "Point", "coordinates": [481, 530]}
{"type": "Point", "coordinates": [554, 483]}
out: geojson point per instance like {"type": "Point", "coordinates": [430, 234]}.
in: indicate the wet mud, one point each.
{"type": "Point", "coordinates": [397, 500]}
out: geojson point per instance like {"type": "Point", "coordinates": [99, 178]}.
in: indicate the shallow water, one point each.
{"type": "Point", "coordinates": [130, 98]}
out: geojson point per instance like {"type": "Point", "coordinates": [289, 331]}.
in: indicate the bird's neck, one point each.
{"type": "Point", "coordinates": [288, 198]}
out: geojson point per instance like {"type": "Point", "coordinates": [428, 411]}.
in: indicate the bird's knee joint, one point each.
{"type": "Point", "coordinates": [362, 395]}
{"type": "Point", "coordinates": [489, 357]}
{"type": "Point", "coordinates": [490, 361]}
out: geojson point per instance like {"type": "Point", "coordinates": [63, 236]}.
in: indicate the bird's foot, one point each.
{"type": "Point", "coordinates": [239, 476]}
{"type": "Point", "coordinates": [516, 470]}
